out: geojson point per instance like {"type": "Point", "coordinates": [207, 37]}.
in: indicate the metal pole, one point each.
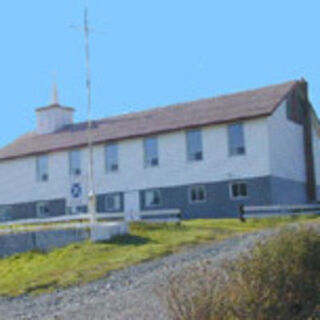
{"type": "Point", "coordinates": [242, 213]}
{"type": "Point", "coordinates": [91, 192]}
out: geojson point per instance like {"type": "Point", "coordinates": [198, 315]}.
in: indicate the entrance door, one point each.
{"type": "Point", "coordinates": [132, 205]}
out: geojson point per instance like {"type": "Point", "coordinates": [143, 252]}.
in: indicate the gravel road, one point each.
{"type": "Point", "coordinates": [130, 294]}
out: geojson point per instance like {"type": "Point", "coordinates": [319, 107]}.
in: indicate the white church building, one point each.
{"type": "Point", "coordinates": [258, 147]}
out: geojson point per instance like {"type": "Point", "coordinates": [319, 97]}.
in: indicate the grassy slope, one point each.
{"type": "Point", "coordinates": [280, 279]}
{"type": "Point", "coordinates": [36, 272]}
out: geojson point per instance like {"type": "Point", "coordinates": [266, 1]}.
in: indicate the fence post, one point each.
{"type": "Point", "coordinates": [241, 213]}
{"type": "Point", "coordinates": [179, 216]}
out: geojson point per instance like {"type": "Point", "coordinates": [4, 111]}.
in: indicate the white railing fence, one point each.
{"type": "Point", "coordinates": [170, 215]}
{"type": "Point", "coordinates": [246, 212]}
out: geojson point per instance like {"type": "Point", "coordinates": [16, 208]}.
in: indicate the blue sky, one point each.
{"type": "Point", "coordinates": [152, 53]}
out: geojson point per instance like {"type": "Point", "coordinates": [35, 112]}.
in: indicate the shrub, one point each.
{"type": "Point", "coordinates": [277, 279]}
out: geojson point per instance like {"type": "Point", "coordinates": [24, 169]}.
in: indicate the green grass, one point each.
{"type": "Point", "coordinates": [37, 272]}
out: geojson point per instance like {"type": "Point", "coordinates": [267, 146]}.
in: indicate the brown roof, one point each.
{"type": "Point", "coordinates": [234, 107]}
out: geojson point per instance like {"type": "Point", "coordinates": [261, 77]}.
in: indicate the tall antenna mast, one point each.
{"type": "Point", "coordinates": [91, 191]}
{"type": "Point", "coordinates": [91, 186]}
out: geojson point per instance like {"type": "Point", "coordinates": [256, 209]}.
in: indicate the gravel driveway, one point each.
{"type": "Point", "coordinates": [130, 294]}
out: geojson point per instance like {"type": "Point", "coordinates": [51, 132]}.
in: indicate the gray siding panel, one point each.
{"type": "Point", "coordinates": [218, 203]}
{"type": "Point", "coordinates": [285, 191]}
{"type": "Point", "coordinates": [28, 210]}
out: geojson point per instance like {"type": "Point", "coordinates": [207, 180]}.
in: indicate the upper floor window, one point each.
{"type": "Point", "coordinates": [194, 145]}
{"type": "Point", "coordinates": [197, 194]}
{"type": "Point", "coordinates": [236, 139]}
{"type": "Point", "coordinates": [42, 168]}
{"type": "Point", "coordinates": [111, 155]}
{"type": "Point", "coordinates": [151, 158]}
{"type": "Point", "coordinates": [152, 198]}
{"type": "Point", "coordinates": [75, 162]}
{"type": "Point", "coordinates": [238, 190]}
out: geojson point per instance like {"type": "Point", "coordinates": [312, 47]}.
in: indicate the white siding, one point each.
{"type": "Point", "coordinates": [19, 184]}
{"type": "Point", "coordinates": [18, 177]}
{"type": "Point", "coordinates": [287, 157]}
{"type": "Point", "coordinates": [53, 119]}
{"type": "Point", "coordinates": [174, 169]}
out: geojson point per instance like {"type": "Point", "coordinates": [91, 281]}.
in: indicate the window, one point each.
{"type": "Point", "coordinates": [5, 213]}
{"type": "Point", "coordinates": [194, 145]}
{"type": "Point", "coordinates": [112, 157]}
{"type": "Point", "coordinates": [236, 139]}
{"type": "Point", "coordinates": [197, 194]}
{"type": "Point", "coordinates": [75, 162]}
{"type": "Point", "coordinates": [42, 168]}
{"type": "Point", "coordinates": [77, 210]}
{"type": "Point", "coordinates": [112, 202]}
{"type": "Point", "coordinates": [152, 198]}
{"type": "Point", "coordinates": [238, 190]}
{"type": "Point", "coordinates": [151, 152]}
{"type": "Point", "coordinates": [42, 209]}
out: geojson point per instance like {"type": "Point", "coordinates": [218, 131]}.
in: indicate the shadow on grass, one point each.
{"type": "Point", "coordinates": [130, 240]}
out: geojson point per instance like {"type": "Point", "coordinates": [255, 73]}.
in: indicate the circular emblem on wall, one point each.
{"type": "Point", "coordinates": [76, 190]}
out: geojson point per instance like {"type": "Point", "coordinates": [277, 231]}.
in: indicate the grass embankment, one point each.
{"type": "Point", "coordinates": [280, 279]}
{"type": "Point", "coordinates": [37, 272]}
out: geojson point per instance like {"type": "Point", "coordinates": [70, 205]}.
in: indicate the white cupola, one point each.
{"type": "Point", "coordinates": [53, 117]}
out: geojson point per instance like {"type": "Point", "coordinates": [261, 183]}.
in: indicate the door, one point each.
{"type": "Point", "coordinates": [132, 205]}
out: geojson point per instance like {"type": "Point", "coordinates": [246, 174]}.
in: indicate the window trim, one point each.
{"type": "Point", "coordinates": [40, 203]}
{"type": "Point", "coordinates": [6, 212]}
{"type": "Point", "coordinates": [239, 197]}
{"type": "Point", "coordinates": [73, 174]}
{"type": "Point", "coordinates": [106, 158]}
{"type": "Point", "coordinates": [145, 162]}
{"type": "Point", "coordinates": [197, 201]}
{"type": "Point", "coordinates": [112, 195]}
{"type": "Point", "coordinates": [76, 210]}
{"type": "Point", "coordinates": [230, 154]}
{"type": "Point", "coordinates": [187, 145]}
{"type": "Point", "coordinates": [153, 205]}
{"type": "Point", "coordinates": [39, 177]}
